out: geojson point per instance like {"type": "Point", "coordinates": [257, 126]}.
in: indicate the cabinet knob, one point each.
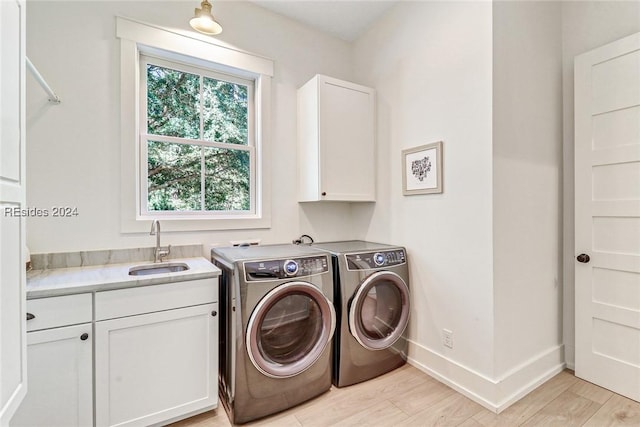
{"type": "Point", "coordinates": [583, 258]}
{"type": "Point", "coordinates": [84, 336]}
{"type": "Point", "coordinates": [324, 193]}
{"type": "Point", "coordinates": [30, 316]}
{"type": "Point", "coordinates": [214, 313]}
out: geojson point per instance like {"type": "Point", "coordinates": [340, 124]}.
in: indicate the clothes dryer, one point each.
{"type": "Point", "coordinates": [372, 301]}
{"type": "Point", "coordinates": [276, 327]}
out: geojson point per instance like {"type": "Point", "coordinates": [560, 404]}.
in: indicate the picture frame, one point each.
{"type": "Point", "coordinates": [422, 169]}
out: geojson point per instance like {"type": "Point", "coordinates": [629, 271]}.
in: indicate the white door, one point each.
{"type": "Point", "coordinates": [12, 198]}
{"type": "Point", "coordinates": [155, 367]}
{"type": "Point", "coordinates": [607, 198]}
{"type": "Point", "coordinates": [60, 379]}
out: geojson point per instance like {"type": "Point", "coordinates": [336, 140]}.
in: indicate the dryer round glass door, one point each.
{"type": "Point", "coordinates": [289, 329]}
{"type": "Point", "coordinates": [379, 310]}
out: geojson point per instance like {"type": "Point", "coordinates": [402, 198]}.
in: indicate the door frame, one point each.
{"type": "Point", "coordinates": [12, 194]}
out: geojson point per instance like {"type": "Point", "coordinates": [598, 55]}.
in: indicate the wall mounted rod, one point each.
{"type": "Point", "coordinates": [52, 95]}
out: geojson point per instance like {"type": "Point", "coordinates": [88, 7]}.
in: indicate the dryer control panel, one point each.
{"type": "Point", "coordinates": [373, 260]}
{"type": "Point", "coordinates": [285, 268]}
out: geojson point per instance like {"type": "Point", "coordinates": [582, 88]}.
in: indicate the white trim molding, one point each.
{"type": "Point", "coordinates": [136, 37]}
{"type": "Point", "coordinates": [192, 46]}
{"type": "Point", "coordinates": [494, 394]}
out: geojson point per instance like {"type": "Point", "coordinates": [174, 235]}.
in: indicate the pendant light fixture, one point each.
{"type": "Point", "coordinates": [204, 22]}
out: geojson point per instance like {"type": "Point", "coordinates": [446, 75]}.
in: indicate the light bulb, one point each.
{"type": "Point", "coordinates": [204, 22]}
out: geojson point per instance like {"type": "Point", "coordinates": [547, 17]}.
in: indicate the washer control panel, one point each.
{"type": "Point", "coordinates": [372, 260]}
{"type": "Point", "coordinates": [285, 268]}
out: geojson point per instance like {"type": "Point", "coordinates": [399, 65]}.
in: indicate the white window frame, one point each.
{"type": "Point", "coordinates": [176, 46]}
{"type": "Point", "coordinates": [145, 137]}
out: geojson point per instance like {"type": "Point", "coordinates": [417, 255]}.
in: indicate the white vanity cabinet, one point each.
{"type": "Point", "coordinates": [156, 354]}
{"type": "Point", "coordinates": [59, 360]}
{"type": "Point", "coordinates": [336, 141]}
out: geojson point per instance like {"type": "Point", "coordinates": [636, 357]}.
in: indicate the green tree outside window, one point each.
{"type": "Point", "coordinates": [203, 168]}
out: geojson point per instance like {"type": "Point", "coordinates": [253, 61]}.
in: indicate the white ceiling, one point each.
{"type": "Point", "coordinates": [346, 19]}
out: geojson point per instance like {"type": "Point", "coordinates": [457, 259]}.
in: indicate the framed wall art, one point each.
{"type": "Point", "coordinates": [422, 169]}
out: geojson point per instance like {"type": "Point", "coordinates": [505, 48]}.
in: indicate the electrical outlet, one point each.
{"type": "Point", "coordinates": [447, 338]}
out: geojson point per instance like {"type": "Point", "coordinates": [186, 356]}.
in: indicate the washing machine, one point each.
{"type": "Point", "coordinates": [277, 320]}
{"type": "Point", "coordinates": [372, 301]}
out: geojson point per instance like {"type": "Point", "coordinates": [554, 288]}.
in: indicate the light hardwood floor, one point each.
{"type": "Point", "coordinates": [408, 397]}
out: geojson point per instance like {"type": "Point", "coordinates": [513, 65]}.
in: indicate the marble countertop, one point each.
{"type": "Point", "coordinates": [75, 280]}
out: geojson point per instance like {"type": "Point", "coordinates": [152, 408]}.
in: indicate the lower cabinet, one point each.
{"type": "Point", "coordinates": [59, 378]}
{"type": "Point", "coordinates": [152, 368]}
{"type": "Point", "coordinates": [136, 356]}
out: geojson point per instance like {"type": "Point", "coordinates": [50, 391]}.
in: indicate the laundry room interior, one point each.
{"type": "Point", "coordinates": [496, 93]}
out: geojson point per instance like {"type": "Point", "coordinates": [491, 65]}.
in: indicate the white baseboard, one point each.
{"type": "Point", "coordinates": [570, 356]}
{"type": "Point", "coordinates": [494, 394]}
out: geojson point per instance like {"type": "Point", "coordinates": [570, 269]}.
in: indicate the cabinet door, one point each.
{"type": "Point", "coordinates": [347, 149]}
{"type": "Point", "coordinates": [60, 388]}
{"type": "Point", "coordinates": [12, 199]}
{"type": "Point", "coordinates": [155, 367]}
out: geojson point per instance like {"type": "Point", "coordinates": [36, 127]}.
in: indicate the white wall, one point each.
{"type": "Point", "coordinates": [586, 25]}
{"type": "Point", "coordinates": [73, 149]}
{"type": "Point", "coordinates": [407, 56]}
{"type": "Point", "coordinates": [431, 65]}
{"type": "Point", "coordinates": [482, 77]}
{"type": "Point", "coordinates": [527, 198]}
{"type": "Point", "coordinates": [486, 79]}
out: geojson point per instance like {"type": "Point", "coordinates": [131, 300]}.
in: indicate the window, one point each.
{"type": "Point", "coordinates": [197, 141]}
{"type": "Point", "coordinates": [193, 159]}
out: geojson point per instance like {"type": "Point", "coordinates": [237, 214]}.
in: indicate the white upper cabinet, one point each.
{"type": "Point", "coordinates": [336, 141]}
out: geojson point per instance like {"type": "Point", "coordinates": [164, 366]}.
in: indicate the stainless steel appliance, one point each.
{"type": "Point", "coordinates": [371, 295]}
{"type": "Point", "coordinates": [276, 327]}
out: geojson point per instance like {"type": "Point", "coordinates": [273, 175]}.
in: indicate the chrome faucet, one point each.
{"type": "Point", "coordinates": [160, 251]}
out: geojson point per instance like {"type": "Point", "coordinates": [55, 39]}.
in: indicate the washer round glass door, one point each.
{"type": "Point", "coordinates": [379, 310]}
{"type": "Point", "coordinates": [289, 329]}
